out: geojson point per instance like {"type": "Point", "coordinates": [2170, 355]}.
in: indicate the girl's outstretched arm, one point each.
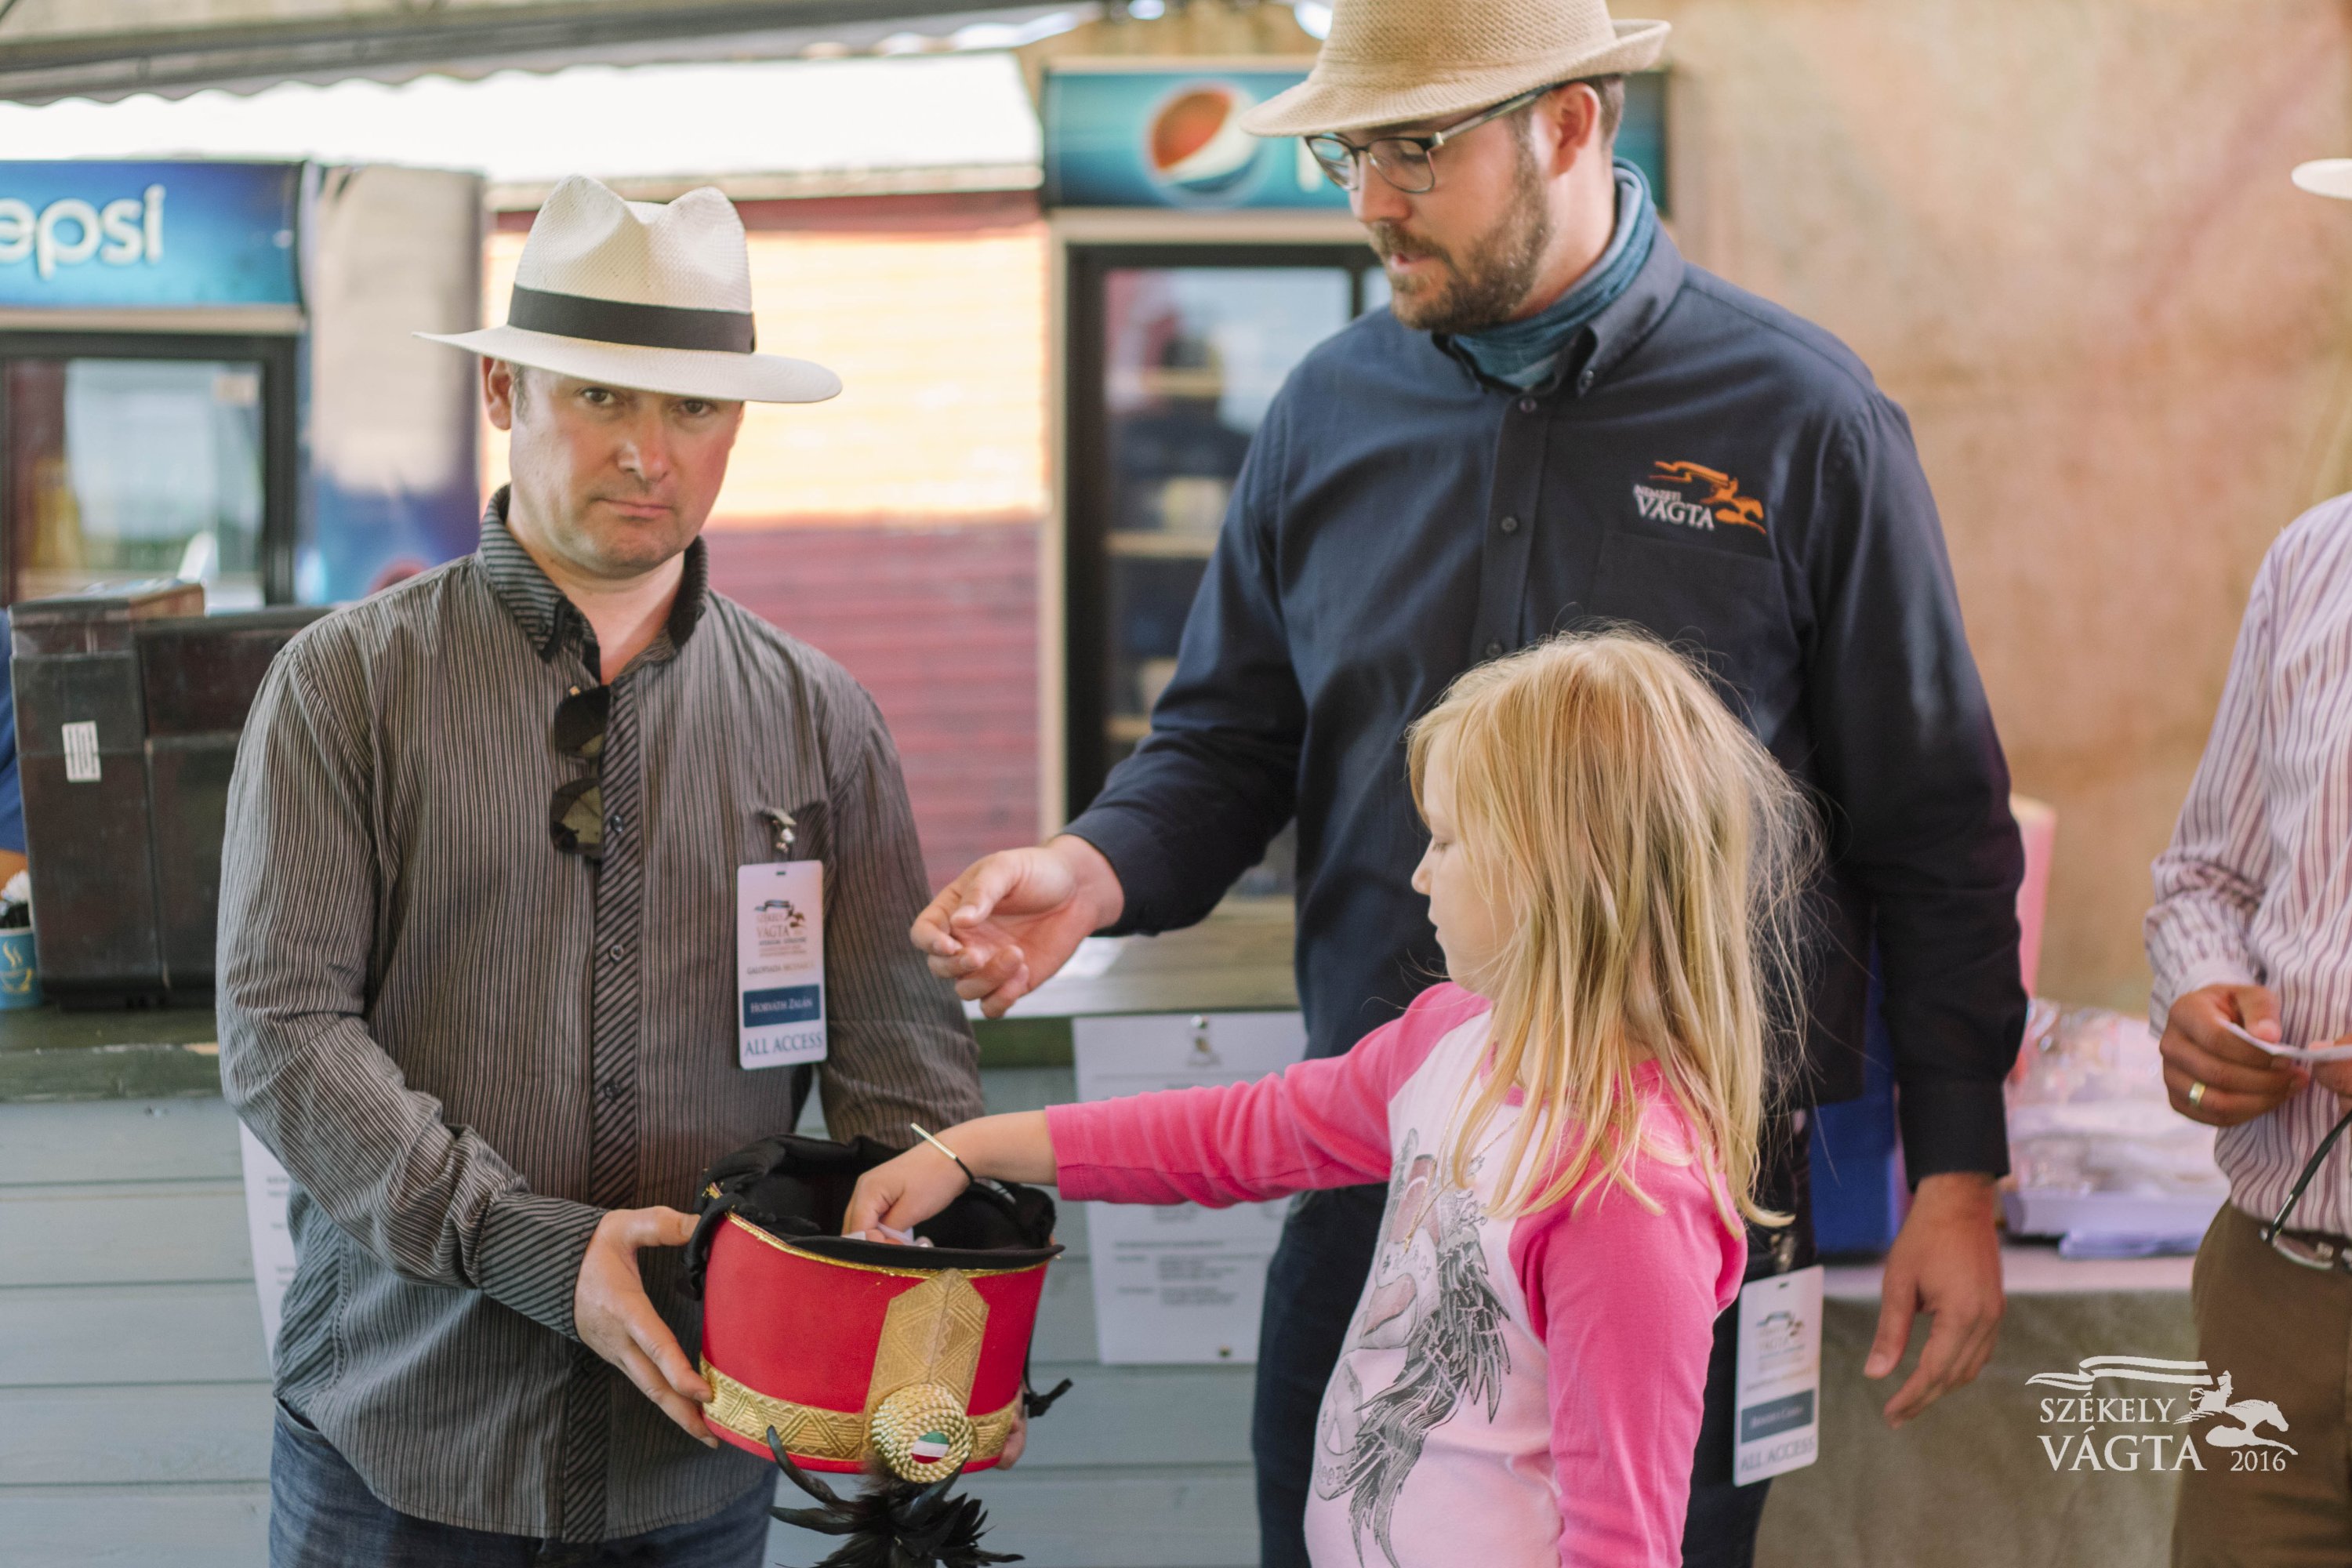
{"type": "Point", "coordinates": [1321, 1123]}
{"type": "Point", "coordinates": [918, 1183]}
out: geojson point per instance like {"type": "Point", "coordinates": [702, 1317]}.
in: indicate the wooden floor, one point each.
{"type": "Point", "coordinates": [134, 1399]}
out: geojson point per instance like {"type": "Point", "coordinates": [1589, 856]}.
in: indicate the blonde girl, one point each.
{"type": "Point", "coordinates": [1567, 1125]}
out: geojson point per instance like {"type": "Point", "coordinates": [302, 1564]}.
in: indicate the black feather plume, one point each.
{"type": "Point", "coordinates": [894, 1523]}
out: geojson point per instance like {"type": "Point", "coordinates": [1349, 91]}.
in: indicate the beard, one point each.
{"type": "Point", "coordinates": [1490, 278]}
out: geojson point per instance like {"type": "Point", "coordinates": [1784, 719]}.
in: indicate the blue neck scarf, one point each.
{"type": "Point", "coordinates": [1526, 353]}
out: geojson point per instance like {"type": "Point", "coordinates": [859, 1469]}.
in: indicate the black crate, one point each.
{"type": "Point", "coordinates": [124, 819]}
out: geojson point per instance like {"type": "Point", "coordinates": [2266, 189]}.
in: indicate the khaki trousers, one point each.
{"type": "Point", "coordinates": [2284, 1333]}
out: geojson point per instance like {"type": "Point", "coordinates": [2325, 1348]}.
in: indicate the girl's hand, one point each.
{"type": "Point", "coordinates": [904, 1191]}
{"type": "Point", "coordinates": [918, 1183]}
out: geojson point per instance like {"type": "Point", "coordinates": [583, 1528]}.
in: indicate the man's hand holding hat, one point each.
{"type": "Point", "coordinates": [614, 1318]}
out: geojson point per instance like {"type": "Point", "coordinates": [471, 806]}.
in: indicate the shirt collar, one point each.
{"type": "Point", "coordinates": [1604, 342]}
{"type": "Point", "coordinates": [548, 619]}
{"type": "Point", "coordinates": [1618, 330]}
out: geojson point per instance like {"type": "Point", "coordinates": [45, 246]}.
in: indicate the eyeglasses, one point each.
{"type": "Point", "coordinates": [575, 813]}
{"type": "Point", "coordinates": [2296, 1248]}
{"type": "Point", "coordinates": [1402, 161]}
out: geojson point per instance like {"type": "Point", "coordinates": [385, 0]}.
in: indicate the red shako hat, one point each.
{"type": "Point", "coordinates": [861, 1356]}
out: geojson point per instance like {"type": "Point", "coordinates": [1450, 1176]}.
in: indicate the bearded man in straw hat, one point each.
{"type": "Point", "coordinates": [1558, 420]}
{"type": "Point", "coordinates": [478, 930]}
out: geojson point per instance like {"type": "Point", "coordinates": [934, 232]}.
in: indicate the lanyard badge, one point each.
{"type": "Point", "coordinates": [779, 955]}
{"type": "Point", "coordinates": [1778, 1406]}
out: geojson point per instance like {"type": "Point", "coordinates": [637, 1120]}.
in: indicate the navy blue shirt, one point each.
{"type": "Point", "coordinates": [1708, 466]}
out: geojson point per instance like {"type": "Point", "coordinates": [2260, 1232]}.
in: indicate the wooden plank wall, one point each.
{"type": "Point", "coordinates": [134, 1400]}
{"type": "Point", "coordinates": [940, 624]}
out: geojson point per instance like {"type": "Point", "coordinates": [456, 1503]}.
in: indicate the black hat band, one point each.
{"type": "Point", "coordinates": [619, 321]}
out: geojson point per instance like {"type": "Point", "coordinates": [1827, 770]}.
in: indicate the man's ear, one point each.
{"type": "Point", "coordinates": [497, 393]}
{"type": "Point", "coordinates": [1573, 112]}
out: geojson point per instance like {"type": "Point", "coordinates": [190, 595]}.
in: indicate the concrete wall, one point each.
{"type": "Point", "coordinates": [2061, 232]}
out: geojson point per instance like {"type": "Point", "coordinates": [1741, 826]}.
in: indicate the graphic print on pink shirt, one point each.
{"type": "Point", "coordinates": [1433, 1435]}
{"type": "Point", "coordinates": [1431, 1295]}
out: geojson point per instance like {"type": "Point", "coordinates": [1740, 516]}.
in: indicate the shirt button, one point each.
{"type": "Point", "coordinates": [614, 951]}
{"type": "Point", "coordinates": [1527, 405]}
{"type": "Point", "coordinates": [1509, 525]}
{"type": "Point", "coordinates": [609, 1090]}
{"type": "Point", "coordinates": [1584, 382]}
{"type": "Point", "coordinates": [614, 823]}
{"type": "Point", "coordinates": [1494, 650]}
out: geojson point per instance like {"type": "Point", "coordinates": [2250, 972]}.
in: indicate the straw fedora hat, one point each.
{"type": "Point", "coordinates": [1390, 61]}
{"type": "Point", "coordinates": [648, 295]}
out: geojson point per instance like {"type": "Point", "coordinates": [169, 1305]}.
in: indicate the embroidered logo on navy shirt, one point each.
{"type": "Point", "coordinates": [1700, 498]}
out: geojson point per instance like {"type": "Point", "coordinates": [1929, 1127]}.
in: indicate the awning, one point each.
{"type": "Point", "coordinates": [758, 128]}
{"type": "Point", "coordinates": [107, 50]}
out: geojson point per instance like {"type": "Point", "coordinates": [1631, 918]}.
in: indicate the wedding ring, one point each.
{"type": "Point", "coordinates": [2196, 1092]}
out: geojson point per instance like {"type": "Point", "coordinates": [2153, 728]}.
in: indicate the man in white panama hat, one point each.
{"type": "Point", "coordinates": [1557, 421]}
{"type": "Point", "coordinates": [2251, 934]}
{"type": "Point", "coordinates": [477, 935]}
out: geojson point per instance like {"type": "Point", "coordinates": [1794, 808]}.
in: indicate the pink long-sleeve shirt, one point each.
{"type": "Point", "coordinates": [1510, 1389]}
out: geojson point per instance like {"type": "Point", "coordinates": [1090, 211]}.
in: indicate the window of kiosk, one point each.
{"type": "Point", "coordinates": [121, 466]}
{"type": "Point", "coordinates": [1190, 358]}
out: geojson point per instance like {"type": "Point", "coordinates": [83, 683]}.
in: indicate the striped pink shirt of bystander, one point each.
{"type": "Point", "coordinates": [2253, 888]}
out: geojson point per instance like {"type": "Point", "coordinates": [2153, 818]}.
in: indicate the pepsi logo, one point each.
{"type": "Point", "coordinates": [1194, 142]}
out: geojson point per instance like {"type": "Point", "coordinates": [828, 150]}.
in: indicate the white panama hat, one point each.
{"type": "Point", "coordinates": [648, 295]}
{"type": "Point", "coordinates": [1390, 61]}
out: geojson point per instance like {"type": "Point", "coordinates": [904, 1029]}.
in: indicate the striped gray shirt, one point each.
{"type": "Point", "coordinates": [465, 1044]}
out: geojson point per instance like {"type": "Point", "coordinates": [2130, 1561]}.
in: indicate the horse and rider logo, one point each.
{"type": "Point", "coordinates": [1701, 497]}
{"type": "Point", "coordinates": [777, 925]}
{"type": "Point", "coordinates": [2250, 1415]}
{"type": "Point", "coordinates": [2237, 1423]}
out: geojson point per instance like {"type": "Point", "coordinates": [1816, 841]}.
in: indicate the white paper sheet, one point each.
{"type": "Point", "coordinates": [1180, 1284]}
{"type": "Point", "coordinates": [2305, 1054]}
{"type": "Point", "coordinates": [265, 1188]}
{"type": "Point", "coordinates": [1093, 959]}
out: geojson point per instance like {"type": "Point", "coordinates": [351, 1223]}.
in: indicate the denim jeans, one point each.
{"type": "Point", "coordinates": [1311, 1288]}
{"type": "Point", "coordinates": [322, 1515]}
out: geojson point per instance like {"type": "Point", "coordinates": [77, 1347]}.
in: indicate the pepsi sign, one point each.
{"type": "Point", "coordinates": [77, 235]}
{"type": "Point", "coordinates": [1153, 137]}
{"type": "Point", "coordinates": [1159, 138]}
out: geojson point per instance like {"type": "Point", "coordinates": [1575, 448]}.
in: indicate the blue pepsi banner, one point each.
{"type": "Point", "coordinates": [1173, 139]}
{"type": "Point", "coordinates": [1161, 138]}
{"type": "Point", "coordinates": [162, 235]}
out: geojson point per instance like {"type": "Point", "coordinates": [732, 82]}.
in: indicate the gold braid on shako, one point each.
{"type": "Point", "coordinates": [907, 1363]}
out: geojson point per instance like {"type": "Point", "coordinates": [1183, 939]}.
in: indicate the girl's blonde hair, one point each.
{"type": "Point", "coordinates": [1651, 856]}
